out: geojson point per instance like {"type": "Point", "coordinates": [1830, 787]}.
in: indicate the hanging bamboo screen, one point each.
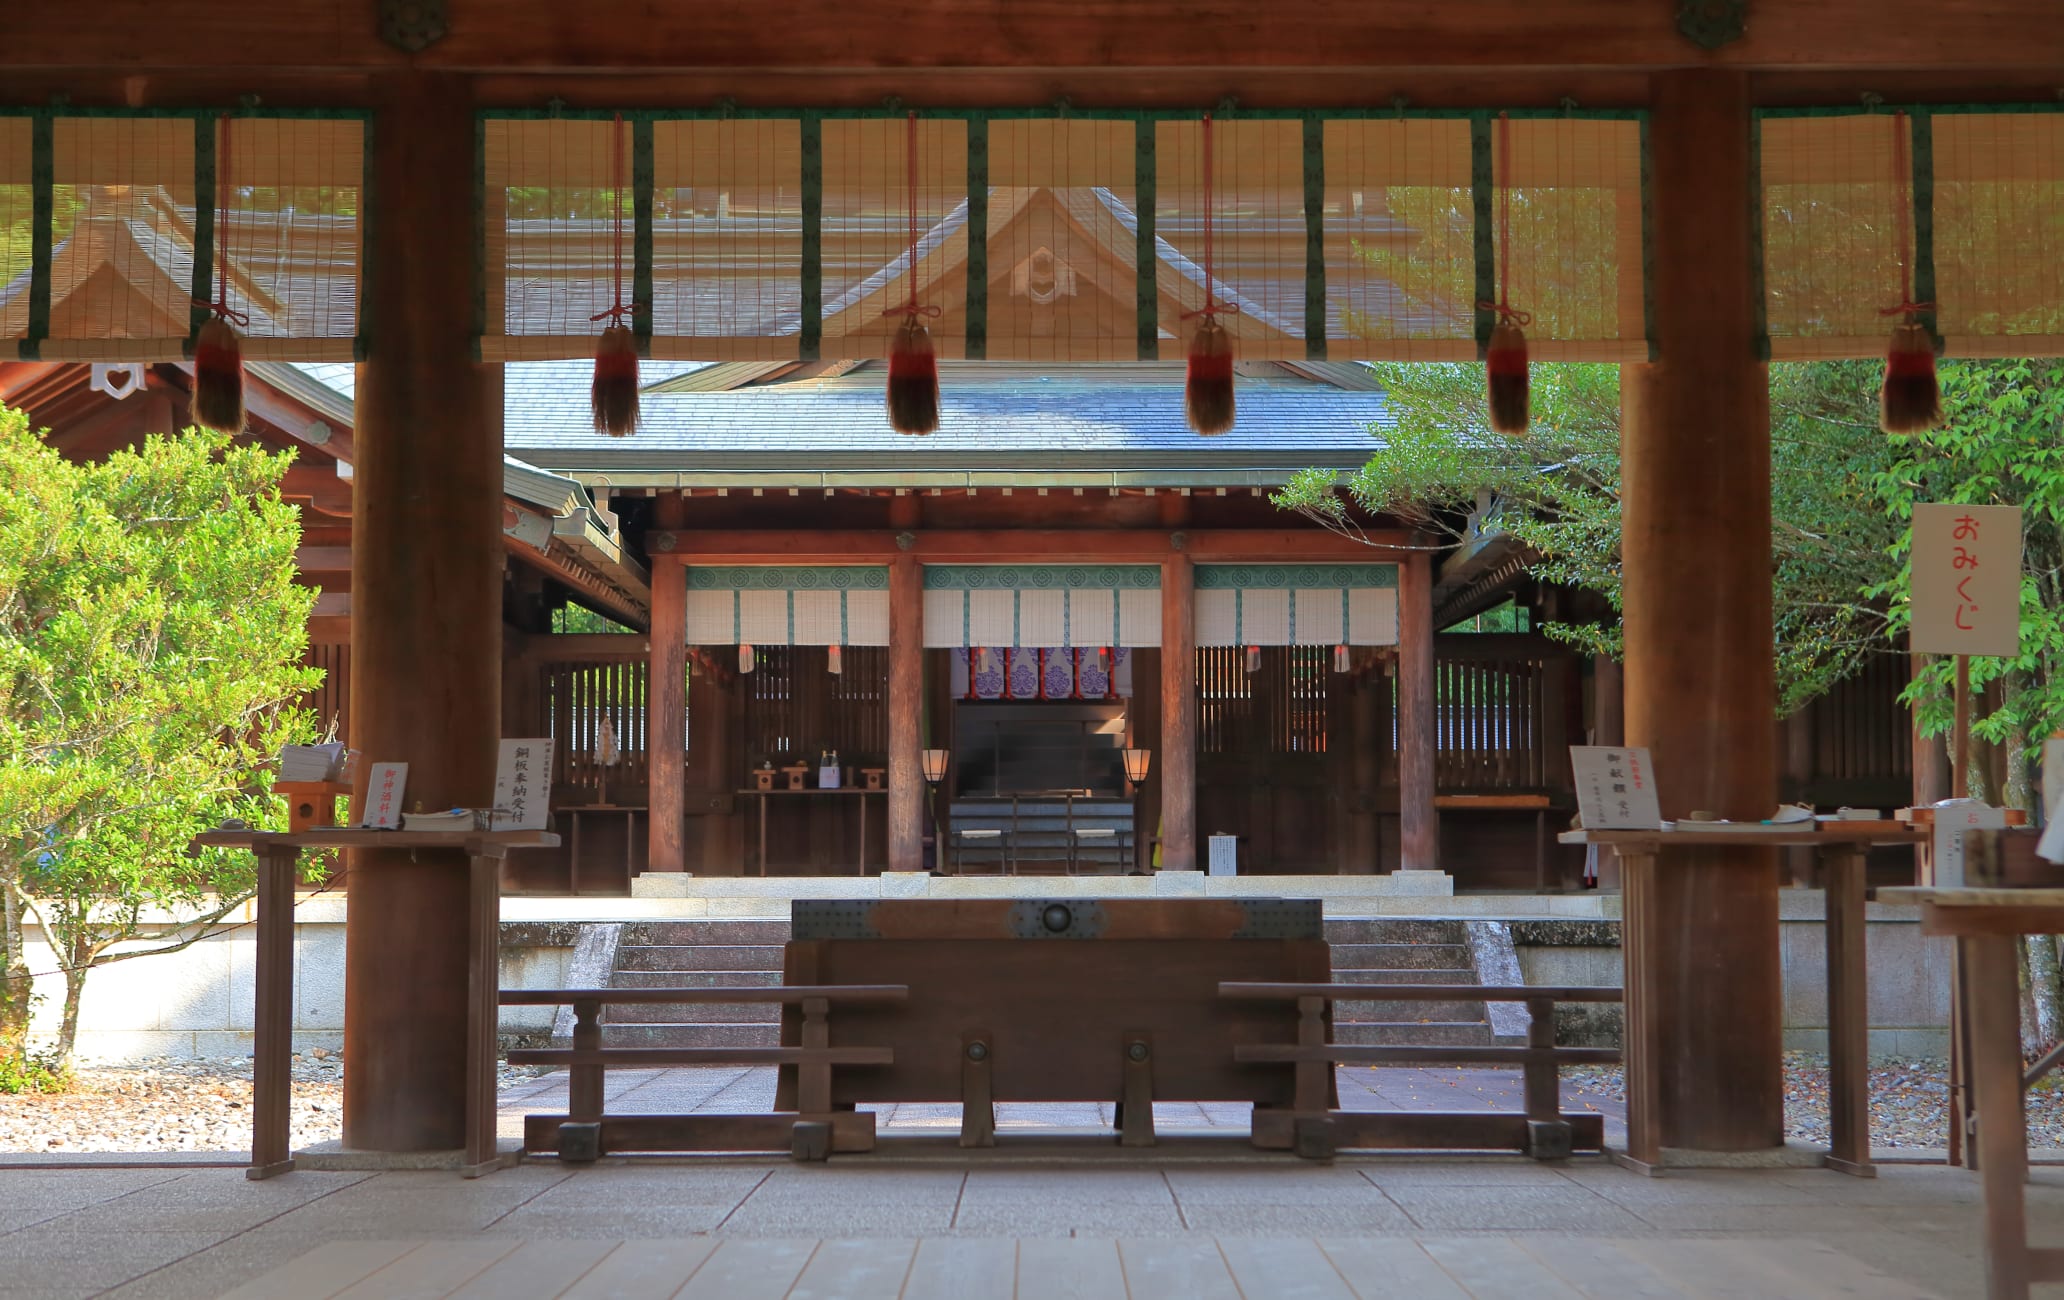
{"type": "Point", "coordinates": [869, 225]}
{"type": "Point", "coordinates": [1998, 232]}
{"type": "Point", "coordinates": [1061, 271]}
{"type": "Point", "coordinates": [17, 231]}
{"type": "Point", "coordinates": [1576, 235]}
{"type": "Point", "coordinates": [121, 229]}
{"type": "Point", "coordinates": [1258, 252]}
{"type": "Point", "coordinates": [1399, 230]}
{"type": "Point", "coordinates": [727, 239]}
{"type": "Point", "coordinates": [557, 229]}
{"type": "Point", "coordinates": [1832, 199]}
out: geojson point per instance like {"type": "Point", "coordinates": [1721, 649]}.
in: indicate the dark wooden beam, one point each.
{"type": "Point", "coordinates": [1418, 819]}
{"type": "Point", "coordinates": [1084, 545]}
{"type": "Point", "coordinates": [1178, 756]}
{"type": "Point", "coordinates": [906, 715]}
{"type": "Point", "coordinates": [1094, 37]}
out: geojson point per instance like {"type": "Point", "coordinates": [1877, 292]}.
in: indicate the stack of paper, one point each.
{"type": "Point", "coordinates": [311, 762]}
{"type": "Point", "coordinates": [457, 819]}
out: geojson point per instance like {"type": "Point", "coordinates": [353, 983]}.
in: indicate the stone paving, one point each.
{"type": "Point", "coordinates": [1498, 1226]}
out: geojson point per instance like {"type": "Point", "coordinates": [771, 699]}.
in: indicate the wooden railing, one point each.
{"type": "Point", "coordinates": [810, 1132]}
{"type": "Point", "coordinates": [1314, 1128]}
{"type": "Point", "coordinates": [1501, 712]}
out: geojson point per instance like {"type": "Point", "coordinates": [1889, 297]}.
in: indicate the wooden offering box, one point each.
{"type": "Point", "coordinates": [311, 805]}
{"type": "Point", "coordinates": [1060, 999]}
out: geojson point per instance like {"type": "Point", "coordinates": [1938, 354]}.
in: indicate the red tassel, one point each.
{"type": "Point", "coordinates": [218, 391]}
{"type": "Point", "coordinates": [1910, 400]}
{"type": "Point", "coordinates": [1208, 387]}
{"type": "Point", "coordinates": [614, 395]}
{"type": "Point", "coordinates": [1505, 363]}
{"type": "Point", "coordinates": [913, 380]}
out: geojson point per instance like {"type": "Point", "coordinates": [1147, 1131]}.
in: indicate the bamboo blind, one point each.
{"type": "Point", "coordinates": [17, 207]}
{"type": "Point", "coordinates": [1399, 240]}
{"type": "Point", "coordinates": [727, 194]}
{"type": "Point", "coordinates": [1998, 227]}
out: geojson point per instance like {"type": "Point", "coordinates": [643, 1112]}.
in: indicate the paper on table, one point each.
{"type": "Point", "coordinates": [2050, 848]}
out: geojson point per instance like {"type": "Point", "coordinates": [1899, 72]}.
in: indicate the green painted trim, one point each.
{"type": "Point", "coordinates": [42, 212]}
{"type": "Point", "coordinates": [1315, 238]}
{"type": "Point", "coordinates": [1146, 254]}
{"type": "Point", "coordinates": [1648, 325]}
{"type": "Point", "coordinates": [1938, 110]}
{"type": "Point", "coordinates": [1758, 254]}
{"type": "Point", "coordinates": [811, 335]}
{"type": "Point", "coordinates": [1922, 160]}
{"type": "Point", "coordinates": [261, 113]}
{"type": "Point", "coordinates": [1042, 577]}
{"type": "Point", "coordinates": [1294, 577]}
{"type": "Point", "coordinates": [1482, 180]}
{"type": "Point", "coordinates": [977, 330]}
{"type": "Point", "coordinates": [739, 577]}
{"type": "Point", "coordinates": [362, 342]}
{"type": "Point", "coordinates": [480, 267]}
{"type": "Point", "coordinates": [206, 201]}
{"type": "Point", "coordinates": [641, 239]}
{"type": "Point", "coordinates": [1053, 113]}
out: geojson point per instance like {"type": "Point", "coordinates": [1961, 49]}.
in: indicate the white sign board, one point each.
{"type": "Point", "coordinates": [1615, 788]}
{"type": "Point", "coordinates": [1967, 580]}
{"type": "Point", "coordinates": [1952, 818]}
{"type": "Point", "coordinates": [523, 785]}
{"type": "Point", "coordinates": [383, 795]}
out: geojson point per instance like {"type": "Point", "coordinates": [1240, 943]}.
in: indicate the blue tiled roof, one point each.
{"type": "Point", "coordinates": [1119, 417]}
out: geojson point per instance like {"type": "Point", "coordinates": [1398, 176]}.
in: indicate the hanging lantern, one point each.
{"type": "Point", "coordinates": [913, 396]}
{"type": "Point", "coordinates": [1341, 662]}
{"type": "Point", "coordinates": [1208, 380]}
{"type": "Point", "coordinates": [1253, 659]}
{"type": "Point", "coordinates": [613, 396]}
{"type": "Point", "coordinates": [834, 659]}
{"type": "Point", "coordinates": [1505, 352]}
{"type": "Point", "coordinates": [745, 658]}
{"type": "Point", "coordinates": [1910, 397]}
{"type": "Point", "coordinates": [218, 369]}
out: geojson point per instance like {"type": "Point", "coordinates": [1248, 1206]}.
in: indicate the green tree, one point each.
{"type": "Point", "coordinates": [1557, 491]}
{"type": "Point", "coordinates": [151, 634]}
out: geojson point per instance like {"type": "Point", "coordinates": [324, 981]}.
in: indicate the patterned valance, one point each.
{"type": "Point", "coordinates": [1296, 604]}
{"type": "Point", "coordinates": [1049, 606]}
{"type": "Point", "coordinates": [796, 605]}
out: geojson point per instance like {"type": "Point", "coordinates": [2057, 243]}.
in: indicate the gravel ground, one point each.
{"type": "Point", "coordinates": [1909, 1101]}
{"type": "Point", "coordinates": [204, 1105]}
{"type": "Point", "coordinates": [178, 1105]}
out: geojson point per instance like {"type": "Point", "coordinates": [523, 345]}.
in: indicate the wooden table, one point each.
{"type": "Point", "coordinates": [272, 1039]}
{"type": "Point", "coordinates": [1986, 923]}
{"type": "Point", "coordinates": [764, 795]}
{"type": "Point", "coordinates": [1841, 847]}
{"type": "Point", "coordinates": [1538, 804]}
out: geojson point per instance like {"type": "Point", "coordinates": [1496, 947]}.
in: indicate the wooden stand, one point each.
{"type": "Point", "coordinates": [273, 1025]}
{"type": "Point", "coordinates": [1987, 924]}
{"type": "Point", "coordinates": [1841, 847]}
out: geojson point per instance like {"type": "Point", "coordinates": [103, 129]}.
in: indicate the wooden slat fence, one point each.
{"type": "Point", "coordinates": [1492, 713]}
{"type": "Point", "coordinates": [575, 694]}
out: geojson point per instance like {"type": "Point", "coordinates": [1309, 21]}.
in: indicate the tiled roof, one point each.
{"type": "Point", "coordinates": [1033, 421]}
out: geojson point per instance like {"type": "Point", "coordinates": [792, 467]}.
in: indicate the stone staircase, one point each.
{"type": "Point", "coordinates": [747, 953]}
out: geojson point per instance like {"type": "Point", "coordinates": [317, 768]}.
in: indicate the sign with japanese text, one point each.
{"type": "Point", "coordinates": [523, 785]}
{"type": "Point", "coordinates": [1953, 817]}
{"type": "Point", "coordinates": [1967, 580]}
{"type": "Point", "coordinates": [384, 788]}
{"type": "Point", "coordinates": [1615, 788]}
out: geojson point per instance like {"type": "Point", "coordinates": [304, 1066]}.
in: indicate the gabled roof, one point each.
{"type": "Point", "coordinates": [1116, 424]}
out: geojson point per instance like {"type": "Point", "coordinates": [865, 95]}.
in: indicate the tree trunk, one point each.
{"type": "Point", "coordinates": [16, 982]}
{"type": "Point", "coordinates": [68, 1028]}
{"type": "Point", "coordinates": [2046, 1021]}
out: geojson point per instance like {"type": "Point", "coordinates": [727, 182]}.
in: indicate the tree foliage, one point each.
{"type": "Point", "coordinates": [151, 636]}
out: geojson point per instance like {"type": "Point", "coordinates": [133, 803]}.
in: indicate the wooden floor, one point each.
{"type": "Point", "coordinates": [1179, 1268]}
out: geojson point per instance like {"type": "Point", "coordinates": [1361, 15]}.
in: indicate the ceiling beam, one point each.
{"type": "Point", "coordinates": [1024, 546]}
{"type": "Point", "coordinates": [1087, 40]}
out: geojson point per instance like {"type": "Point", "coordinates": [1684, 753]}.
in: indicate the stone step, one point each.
{"type": "Point", "coordinates": [1352, 1013]}
{"type": "Point", "coordinates": [698, 956]}
{"type": "Point", "coordinates": [695, 979]}
{"type": "Point", "coordinates": [699, 1034]}
{"type": "Point", "coordinates": [1379, 976]}
{"type": "Point", "coordinates": [1413, 1034]}
{"type": "Point", "coordinates": [723, 931]}
{"type": "Point", "coordinates": [1383, 930]}
{"type": "Point", "coordinates": [1402, 956]}
{"type": "Point", "coordinates": [671, 1013]}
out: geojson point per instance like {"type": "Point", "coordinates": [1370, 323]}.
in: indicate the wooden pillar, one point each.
{"type": "Point", "coordinates": [1418, 819]}
{"type": "Point", "coordinates": [1368, 715]}
{"type": "Point", "coordinates": [906, 714]}
{"type": "Point", "coordinates": [1178, 758]}
{"type": "Point", "coordinates": [1608, 701]}
{"type": "Point", "coordinates": [1700, 675]}
{"type": "Point", "coordinates": [426, 627]}
{"type": "Point", "coordinates": [666, 694]}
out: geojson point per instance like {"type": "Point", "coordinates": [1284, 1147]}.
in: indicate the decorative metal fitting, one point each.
{"type": "Point", "coordinates": [414, 25]}
{"type": "Point", "coordinates": [1057, 917]}
{"type": "Point", "coordinates": [1180, 541]}
{"type": "Point", "coordinates": [1136, 1052]}
{"type": "Point", "coordinates": [978, 1051]}
{"type": "Point", "coordinates": [905, 540]}
{"type": "Point", "coordinates": [1710, 24]}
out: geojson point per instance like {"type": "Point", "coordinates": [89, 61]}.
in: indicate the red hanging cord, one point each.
{"type": "Point", "coordinates": [1502, 305]}
{"type": "Point", "coordinates": [910, 306]}
{"type": "Point", "coordinates": [224, 197]}
{"type": "Point", "coordinates": [1212, 308]}
{"type": "Point", "coordinates": [619, 308]}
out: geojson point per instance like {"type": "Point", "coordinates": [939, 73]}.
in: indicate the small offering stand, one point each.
{"type": "Point", "coordinates": [273, 1025]}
